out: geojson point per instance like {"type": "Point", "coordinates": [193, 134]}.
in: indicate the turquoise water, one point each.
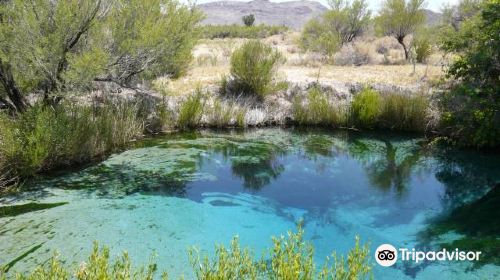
{"type": "Point", "coordinates": [166, 194]}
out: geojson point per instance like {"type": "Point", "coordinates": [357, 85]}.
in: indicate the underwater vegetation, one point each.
{"type": "Point", "coordinates": [14, 210]}
{"type": "Point", "coordinates": [290, 257]}
{"type": "Point", "coordinates": [477, 222]}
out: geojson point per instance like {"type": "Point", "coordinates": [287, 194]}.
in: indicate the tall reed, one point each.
{"type": "Point", "coordinates": [45, 137]}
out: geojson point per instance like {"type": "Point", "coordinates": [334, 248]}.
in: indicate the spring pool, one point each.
{"type": "Point", "coordinates": [166, 194]}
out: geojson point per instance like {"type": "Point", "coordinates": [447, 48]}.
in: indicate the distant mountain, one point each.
{"type": "Point", "coordinates": [433, 18]}
{"type": "Point", "coordinates": [293, 14]}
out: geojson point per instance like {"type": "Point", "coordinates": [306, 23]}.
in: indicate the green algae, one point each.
{"type": "Point", "coordinates": [478, 224]}
{"type": "Point", "coordinates": [10, 264]}
{"type": "Point", "coordinates": [15, 210]}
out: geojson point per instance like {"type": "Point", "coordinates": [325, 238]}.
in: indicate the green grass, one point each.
{"type": "Point", "coordinates": [241, 31]}
{"type": "Point", "coordinates": [368, 110]}
{"type": "Point", "coordinates": [365, 108]}
{"type": "Point", "coordinates": [318, 111]}
{"type": "Point", "coordinates": [44, 137]}
{"type": "Point", "coordinates": [191, 111]}
{"type": "Point", "coordinates": [290, 257]}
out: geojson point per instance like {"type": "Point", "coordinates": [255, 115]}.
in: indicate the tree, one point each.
{"type": "Point", "coordinates": [142, 40]}
{"type": "Point", "coordinates": [341, 24]}
{"type": "Point", "coordinates": [471, 110]}
{"type": "Point", "coordinates": [455, 15]}
{"type": "Point", "coordinates": [248, 20]}
{"type": "Point", "coordinates": [400, 18]}
{"type": "Point", "coordinates": [347, 19]}
{"type": "Point", "coordinates": [51, 46]}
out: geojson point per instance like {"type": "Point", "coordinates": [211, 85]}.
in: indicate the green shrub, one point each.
{"type": "Point", "coordinates": [238, 31]}
{"type": "Point", "coordinates": [365, 108]}
{"type": "Point", "coordinates": [253, 67]}
{"type": "Point", "coordinates": [98, 266]}
{"type": "Point", "coordinates": [422, 45]}
{"type": "Point", "coordinates": [471, 109]}
{"type": "Point", "coordinates": [46, 137]}
{"type": "Point", "coordinates": [191, 111]}
{"type": "Point", "coordinates": [248, 20]}
{"type": "Point", "coordinates": [290, 257]}
{"type": "Point", "coordinates": [317, 110]}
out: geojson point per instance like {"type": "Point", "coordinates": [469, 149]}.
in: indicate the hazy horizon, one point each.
{"type": "Point", "coordinates": [374, 5]}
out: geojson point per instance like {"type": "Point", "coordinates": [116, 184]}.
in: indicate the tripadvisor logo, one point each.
{"type": "Point", "coordinates": [387, 255]}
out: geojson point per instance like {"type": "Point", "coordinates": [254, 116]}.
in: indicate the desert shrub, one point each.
{"type": "Point", "coordinates": [253, 67]}
{"type": "Point", "coordinates": [404, 112]}
{"type": "Point", "coordinates": [317, 110]}
{"type": "Point", "coordinates": [46, 137]}
{"type": "Point", "coordinates": [365, 108]}
{"type": "Point", "coordinates": [341, 24]}
{"type": "Point", "coordinates": [248, 20]}
{"type": "Point", "coordinates": [316, 37]}
{"type": "Point", "coordinates": [422, 45]}
{"type": "Point", "coordinates": [471, 109]}
{"type": "Point", "coordinates": [353, 54]}
{"type": "Point", "coordinates": [239, 31]}
{"type": "Point", "coordinates": [191, 111]}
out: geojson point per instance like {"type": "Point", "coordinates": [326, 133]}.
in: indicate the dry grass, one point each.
{"type": "Point", "coordinates": [399, 75]}
{"type": "Point", "coordinates": [383, 57]}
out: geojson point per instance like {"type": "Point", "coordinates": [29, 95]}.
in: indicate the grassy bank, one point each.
{"type": "Point", "coordinates": [47, 137]}
{"type": "Point", "coordinates": [290, 257]}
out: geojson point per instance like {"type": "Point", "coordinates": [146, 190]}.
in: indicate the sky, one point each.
{"type": "Point", "coordinates": [434, 5]}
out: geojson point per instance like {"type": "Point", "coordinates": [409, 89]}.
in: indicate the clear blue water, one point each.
{"type": "Point", "coordinates": [166, 194]}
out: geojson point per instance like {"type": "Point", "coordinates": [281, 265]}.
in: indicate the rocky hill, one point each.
{"type": "Point", "coordinates": [293, 14]}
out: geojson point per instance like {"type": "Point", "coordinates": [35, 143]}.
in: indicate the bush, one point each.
{"type": "Point", "coordinates": [341, 24]}
{"type": "Point", "coordinates": [98, 266]}
{"type": "Point", "coordinates": [253, 67]}
{"type": "Point", "coordinates": [353, 54]}
{"type": "Point", "coordinates": [365, 108]}
{"type": "Point", "coordinates": [46, 137]}
{"type": "Point", "coordinates": [317, 110]}
{"type": "Point", "coordinates": [238, 31]}
{"type": "Point", "coordinates": [248, 20]}
{"type": "Point", "coordinates": [471, 109]}
{"type": "Point", "coordinates": [290, 257]}
{"type": "Point", "coordinates": [191, 111]}
{"type": "Point", "coordinates": [422, 46]}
